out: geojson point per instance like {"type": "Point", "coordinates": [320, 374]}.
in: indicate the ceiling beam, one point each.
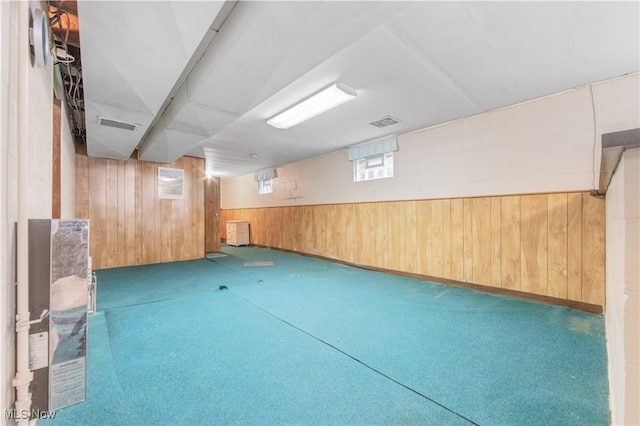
{"type": "Point", "coordinates": [613, 146]}
{"type": "Point", "coordinates": [220, 19]}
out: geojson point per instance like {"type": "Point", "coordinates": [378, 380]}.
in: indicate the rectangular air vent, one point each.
{"type": "Point", "coordinates": [386, 121]}
{"type": "Point", "coordinates": [117, 124]}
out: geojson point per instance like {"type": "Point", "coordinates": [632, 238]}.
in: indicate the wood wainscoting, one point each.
{"type": "Point", "coordinates": [544, 244]}
{"type": "Point", "coordinates": [130, 224]}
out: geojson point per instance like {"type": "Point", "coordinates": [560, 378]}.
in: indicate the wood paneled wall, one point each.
{"type": "Point", "coordinates": [56, 177]}
{"type": "Point", "coordinates": [212, 214]}
{"type": "Point", "coordinates": [130, 225]}
{"type": "Point", "coordinates": [547, 244]}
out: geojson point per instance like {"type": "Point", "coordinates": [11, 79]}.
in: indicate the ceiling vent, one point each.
{"type": "Point", "coordinates": [386, 121]}
{"type": "Point", "coordinates": [117, 124]}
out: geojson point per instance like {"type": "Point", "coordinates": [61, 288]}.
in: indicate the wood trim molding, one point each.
{"type": "Point", "coordinates": [579, 306]}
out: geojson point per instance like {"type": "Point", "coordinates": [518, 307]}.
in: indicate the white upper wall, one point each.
{"type": "Point", "coordinates": [8, 211]}
{"type": "Point", "coordinates": [40, 140]}
{"type": "Point", "coordinates": [545, 145]}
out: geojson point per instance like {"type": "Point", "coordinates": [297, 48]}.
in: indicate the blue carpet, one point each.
{"type": "Point", "coordinates": [313, 342]}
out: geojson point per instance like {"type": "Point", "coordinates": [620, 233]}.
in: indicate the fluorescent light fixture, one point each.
{"type": "Point", "coordinates": [322, 101]}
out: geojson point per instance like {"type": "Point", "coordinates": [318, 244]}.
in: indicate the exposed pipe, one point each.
{"type": "Point", "coordinates": [23, 375]}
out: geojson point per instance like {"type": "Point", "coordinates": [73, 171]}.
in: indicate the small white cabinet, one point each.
{"type": "Point", "coordinates": [237, 233]}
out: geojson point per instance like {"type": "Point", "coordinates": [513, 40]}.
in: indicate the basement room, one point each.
{"type": "Point", "coordinates": [319, 212]}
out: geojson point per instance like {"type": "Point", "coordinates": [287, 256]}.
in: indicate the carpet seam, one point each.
{"type": "Point", "coordinates": [357, 360]}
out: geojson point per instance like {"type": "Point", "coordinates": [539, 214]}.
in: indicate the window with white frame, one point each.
{"type": "Point", "coordinates": [374, 159]}
{"type": "Point", "coordinates": [265, 180]}
{"type": "Point", "coordinates": [375, 167]}
{"type": "Point", "coordinates": [265, 186]}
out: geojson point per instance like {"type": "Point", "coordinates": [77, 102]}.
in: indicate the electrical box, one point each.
{"type": "Point", "coordinates": [58, 305]}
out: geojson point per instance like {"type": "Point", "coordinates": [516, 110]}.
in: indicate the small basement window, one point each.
{"type": "Point", "coordinates": [265, 180]}
{"type": "Point", "coordinates": [374, 167]}
{"type": "Point", "coordinates": [265, 186]}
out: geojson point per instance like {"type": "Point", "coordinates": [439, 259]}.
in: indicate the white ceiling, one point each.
{"type": "Point", "coordinates": [202, 78]}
